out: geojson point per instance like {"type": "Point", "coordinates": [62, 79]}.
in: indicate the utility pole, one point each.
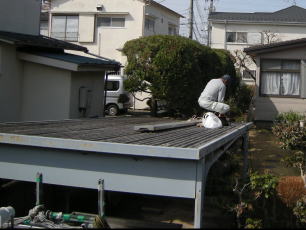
{"type": "Point", "coordinates": [211, 6]}
{"type": "Point", "coordinates": [210, 10]}
{"type": "Point", "coordinates": [191, 20]}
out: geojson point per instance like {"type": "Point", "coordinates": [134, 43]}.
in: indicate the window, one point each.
{"type": "Point", "coordinates": [172, 30]}
{"type": "Point", "coordinates": [44, 28]}
{"type": "Point", "coordinates": [230, 36]}
{"type": "Point", "coordinates": [150, 24]}
{"type": "Point", "coordinates": [280, 78]}
{"type": "Point", "coordinates": [244, 37]}
{"type": "Point", "coordinates": [65, 27]}
{"type": "Point", "coordinates": [255, 38]}
{"type": "Point", "coordinates": [111, 22]}
{"type": "Point", "coordinates": [112, 85]}
{"type": "Point", "coordinates": [247, 75]}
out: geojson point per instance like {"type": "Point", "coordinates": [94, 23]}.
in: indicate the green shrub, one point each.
{"type": "Point", "coordinates": [263, 184]}
{"type": "Point", "coordinates": [240, 99]}
{"type": "Point", "coordinates": [291, 137]}
{"type": "Point", "coordinates": [300, 211]}
{"type": "Point", "coordinates": [177, 69]}
{"type": "Point", "coordinates": [289, 117]}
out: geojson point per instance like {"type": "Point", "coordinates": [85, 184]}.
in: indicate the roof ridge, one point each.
{"type": "Point", "coordinates": [290, 7]}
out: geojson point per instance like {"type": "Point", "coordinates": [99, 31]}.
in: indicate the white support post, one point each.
{"type": "Point", "coordinates": [199, 194]}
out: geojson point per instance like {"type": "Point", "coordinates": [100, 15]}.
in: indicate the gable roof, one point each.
{"type": "Point", "coordinates": [292, 14]}
{"type": "Point", "coordinates": [154, 3]}
{"type": "Point", "coordinates": [253, 50]}
{"type": "Point", "coordinates": [27, 40]}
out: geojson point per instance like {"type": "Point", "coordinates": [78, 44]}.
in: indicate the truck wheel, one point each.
{"type": "Point", "coordinates": [112, 110]}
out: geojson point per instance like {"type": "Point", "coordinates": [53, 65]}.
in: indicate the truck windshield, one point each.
{"type": "Point", "coordinates": [112, 85]}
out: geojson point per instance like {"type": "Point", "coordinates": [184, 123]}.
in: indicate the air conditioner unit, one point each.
{"type": "Point", "coordinates": [99, 7]}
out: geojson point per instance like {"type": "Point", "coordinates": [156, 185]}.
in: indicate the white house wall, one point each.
{"type": "Point", "coordinates": [10, 83]}
{"type": "Point", "coordinates": [106, 41]}
{"type": "Point", "coordinates": [94, 82]}
{"type": "Point", "coordinates": [46, 93]}
{"type": "Point", "coordinates": [266, 108]}
{"type": "Point", "coordinates": [162, 20]}
{"type": "Point", "coordinates": [283, 32]}
{"type": "Point", "coordinates": [20, 16]}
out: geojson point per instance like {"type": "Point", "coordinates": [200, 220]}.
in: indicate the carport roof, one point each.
{"type": "Point", "coordinates": [77, 59]}
{"type": "Point", "coordinates": [69, 61]}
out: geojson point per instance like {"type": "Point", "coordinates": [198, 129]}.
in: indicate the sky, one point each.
{"type": "Point", "coordinates": [201, 10]}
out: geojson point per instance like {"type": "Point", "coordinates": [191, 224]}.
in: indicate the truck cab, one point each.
{"type": "Point", "coordinates": [117, 98]}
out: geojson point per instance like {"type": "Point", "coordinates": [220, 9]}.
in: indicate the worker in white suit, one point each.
{"type": "Point", "coordinates": [213, 95]}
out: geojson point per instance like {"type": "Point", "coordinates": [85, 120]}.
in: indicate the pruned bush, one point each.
{"type": "Point", "coordinates": [177, 69]}
{"type": "Point", "coordinates": [290, 189]}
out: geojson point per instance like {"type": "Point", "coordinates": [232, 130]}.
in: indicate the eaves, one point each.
{"type": "Point", "coordinates": [257, 22]}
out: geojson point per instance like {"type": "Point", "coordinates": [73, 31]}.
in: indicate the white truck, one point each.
{"type": "Point", "coordinates": [117, 98]}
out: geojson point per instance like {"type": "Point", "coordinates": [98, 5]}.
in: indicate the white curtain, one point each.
{"type": "Point", "coordinates": [270, 83]}
{"type": "Point", "coordinates": [72, 28]}
{"type": "Point", "coordinates": [58, 26]}
{"type": "Point", "coordinates": [291, 84]}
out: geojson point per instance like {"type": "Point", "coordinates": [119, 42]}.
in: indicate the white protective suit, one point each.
{"type": "Point", "coordinates": [212, 97]}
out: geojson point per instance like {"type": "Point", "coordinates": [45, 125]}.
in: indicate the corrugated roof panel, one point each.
{"type": "Point", "coordinates": [76, 59]}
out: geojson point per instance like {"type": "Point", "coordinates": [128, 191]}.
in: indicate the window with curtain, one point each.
{"type": "Point", "coordinates": [65, 27]}
{"type": "Point", "coordinates": [237, 37]}
{"type": "Point", "coordinates": [244, 37]}
{"type": "Point", "coordinates": [280, 78]}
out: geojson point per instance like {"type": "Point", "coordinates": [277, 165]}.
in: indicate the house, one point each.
{"type": "Point", "coordinates": [236, 31]}
{"type": "Point", "coordinates": [280, 78]}
{"type": "Point", "coordinates": [103, 26]}
{"type": "Point", "coordinates": [38, 79]}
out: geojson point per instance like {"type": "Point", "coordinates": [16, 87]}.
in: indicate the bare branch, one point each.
{"type": "Point", "coordinates": [243, 61]}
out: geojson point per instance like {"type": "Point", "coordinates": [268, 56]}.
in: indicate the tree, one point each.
{"type": "Point", "coordinates": [242, 62]}
{"type": "Point", "coordinates": [270, 37]}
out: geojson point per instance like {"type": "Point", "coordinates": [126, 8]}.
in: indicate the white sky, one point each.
{"type": "Point", "coordinates": [200, 9]}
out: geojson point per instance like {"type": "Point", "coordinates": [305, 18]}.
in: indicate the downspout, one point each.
{"type": "Point", "coordinates": [225, 28]}
{"type": "Point", "coordinates": [105, 92]}
{"type": "Point", "coordinates": [209, 34]}
{"type": "Point", "coordinates": [143, 18]}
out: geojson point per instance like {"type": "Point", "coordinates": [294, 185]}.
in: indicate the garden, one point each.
{"type": "Point", "coordinates": [176, 69]}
